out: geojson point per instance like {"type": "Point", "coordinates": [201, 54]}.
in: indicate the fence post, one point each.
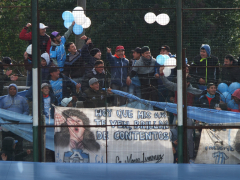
{"type": "Point", "coordinates": [35, 78]}
{"type": "Point", "coordinates": [179, 81]}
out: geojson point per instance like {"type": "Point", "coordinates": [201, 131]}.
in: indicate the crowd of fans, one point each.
{"type": "Point", "coordinates": [70, 75]}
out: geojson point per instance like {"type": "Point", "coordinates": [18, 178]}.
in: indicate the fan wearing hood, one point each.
{"type": "Point", "coordinates": [17, 104]}
{"type": "Point", "coordinates": [207, 74]}
{"type": "Point", "coordinates": [45, 65]}
{"type": "Point", "coordinates": [236, 98]}
{"type": "Point", "coordinates": [14, 102]}
{"type": "Point", "coordinates": [8, 150]}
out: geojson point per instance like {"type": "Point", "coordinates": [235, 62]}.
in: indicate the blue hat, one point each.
{"type": "Point", "coordinates": [207, 49]}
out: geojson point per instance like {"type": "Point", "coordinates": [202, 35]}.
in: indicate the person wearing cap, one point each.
{"type": "Point", "coordinates": [9, 149]}
{"type": "Point", "coordinates": [163, 92]}
{"type": "Point", "coordinates": [48, 99]}
{"type": "Point", "coordinates": [165, 50]}
{"type": "Point", "coordinates": [4, 77]}
{"type": "Point", "coordinates": [94, 96]}
{"type": "Point", "coordinates": [17, 104]}
{"type": "Point", "coordinates": [97, 72]}
{"type": "Point", "coordinates": [61, 85]}
{"type": "Point", "coordinates": [200, 70]}
{"type": "Point", "coordinates": [90, 55]}
{"type": "Point", "coordinates": [57, 50]}
{"type": "Point", "coordinates": [144, 68]}
{"type": "Point", "coordinates": [119, 72]}
{"type": "Point", "coordinates": [75, 65]}
{"type": "Point", "coordinates": [134, 87]}
{"type": "Point", "coordinates": [45, 41]}
{"type": "Point", "coordinates": [67, 102]}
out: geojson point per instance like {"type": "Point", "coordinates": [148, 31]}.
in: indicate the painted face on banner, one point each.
{"type": "Point", "coordinates": [76, 133]}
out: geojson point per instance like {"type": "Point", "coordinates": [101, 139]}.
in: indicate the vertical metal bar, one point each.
{"type": "Point", "coordinates": [179, 81]}
{"type": "Point", "coordinates": [35, 30]}
{"type": "Point", "coordinates": [41, 145]}
{"type": "Point", "coordinates": [184, 82]}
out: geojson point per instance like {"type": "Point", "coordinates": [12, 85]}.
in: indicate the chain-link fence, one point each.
{"type": "Point", "coordinates": [109, 91]}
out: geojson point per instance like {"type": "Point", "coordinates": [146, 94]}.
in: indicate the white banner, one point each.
{"type": "Point", "coordinates": [143, 142]}
{"type": "Point", "coordinates": [219, 146]}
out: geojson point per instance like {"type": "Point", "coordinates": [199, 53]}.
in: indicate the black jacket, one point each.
{"type": "Point", "coordinates": [94, 99]}
{"type": "Point", "coordinates": [209, 74]}
{"type": "Point", "coordinates": [230, 74]}
{"type": "Point", "coordinates": [88, 58]}
{"type": "Point", "coordinates": [94, 74]}
{"type": "Point", "coordinates": [203, 101]}
{"type": "Point", "coordinates": [3, 79]}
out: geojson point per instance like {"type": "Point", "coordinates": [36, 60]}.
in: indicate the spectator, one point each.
{"type": "Point", "coordinates": [57, 50]}
{"type": "Point", "coordinates": [165, 50]}
{"type": "Point", "coordinates": [48, 99]}
{"type": "Point", "coordinates": [67, 102]}
{"type": "Point", "coordinates": [236, 98]}
{"type": "Point", "coordinates": [17, 104]}
{"type": "Point", "coordinates": [45, 41]}
{"type": "Point", "coordinates": [230, 71]}
{"type": "Point", "coordinates": [98, 73]}
{"type": "Point", "coordinates": [61, 85]}
{"type": "Point", "coordinates": [191, 92]}
{"type": "Point", "coordinates": [8, 150]}
{"type": "Point", "coordinates": [119, 72]}
{"type": "Point", "coordinates": [4, 77]}
{"type": "Point", "coordinates": [90, 55]}
{"type": "Point", "coordinates": [94, 96]}
{"type": "Point", "coordinates": [74, 64]}
{"type": "Point", "coordinates": [205, 75]}
{"type": "Point", "coordinates": [45, 65]}
{"type": "Point", "coordinates": [135, 85]}
{"type": "Point", "coordinates": [28, 64]}
{"type": "Point", "coordinates": [144, 68]}
{"type": "Point", "coordinates": [210, 98]}
{"type": "Point", "coordinates": [162, 91]}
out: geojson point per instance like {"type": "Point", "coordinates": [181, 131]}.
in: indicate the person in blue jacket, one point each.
{"type": "Point", "coordinates": [17, 104]}
{"type": "Point", "coordinates": [61, 85]}
{"type": "Point", "coordinates": [119, 72]}
{"type": "Point", "coordinates": [57, 50]}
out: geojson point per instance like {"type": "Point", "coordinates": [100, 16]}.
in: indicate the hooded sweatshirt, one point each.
{"type": "Point", "coordinates": [209, 74]}
{"type": "Point", "coordinates": [9, 150]}
{"type": "Point", "coordinates": [15, 103]}
{"type": "Point", "coordinates": [45, 70]}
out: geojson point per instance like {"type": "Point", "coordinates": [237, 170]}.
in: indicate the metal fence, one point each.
{"type": "Point", "coordinates": [209, 33]}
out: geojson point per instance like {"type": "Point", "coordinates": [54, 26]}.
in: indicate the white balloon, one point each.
{"type": "Point", "coordinates": [150, 18]}
{"type": "Point", "coordinates": [170, 63]}
{"type": "Point", "coordinates": [87, 23]}
{"type": "Point", "coordinates": [166, 71]}
{"type": "Point", "coordinates": [80, 19]}
{"type": "Point", "coordinates": [163, 19]}
{"type": "Point", "coordinates": [77, 10]}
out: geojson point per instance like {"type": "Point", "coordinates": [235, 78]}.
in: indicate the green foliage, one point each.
{"type": "Point", "coordinates": [218, 28]}
{"type": "Point", "coordinates": [122, 22]}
